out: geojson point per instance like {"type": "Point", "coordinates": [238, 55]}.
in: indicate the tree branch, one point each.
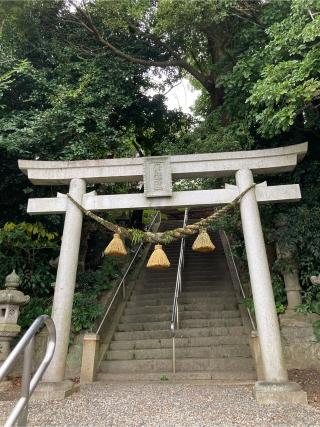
{"type": "Point", "coordinates": [179, 62]}
{"type": "Point", "coordinates": [154, 38]}
{"type": "Point", "coordinates": [138, 148]}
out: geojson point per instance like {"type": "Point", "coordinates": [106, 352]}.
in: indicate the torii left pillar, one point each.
{"type": "Point", "coordinates": [54, 385]}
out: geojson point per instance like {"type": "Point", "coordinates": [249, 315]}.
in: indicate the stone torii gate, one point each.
{"type": "Point", "coordinates": [157, 173]}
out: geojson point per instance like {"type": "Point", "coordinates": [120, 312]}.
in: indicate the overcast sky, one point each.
{"type": "Point", "coordinates": [182, 96]}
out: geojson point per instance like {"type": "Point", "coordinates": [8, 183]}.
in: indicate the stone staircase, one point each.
{"type": "Point", "coordinates": [211, 343]}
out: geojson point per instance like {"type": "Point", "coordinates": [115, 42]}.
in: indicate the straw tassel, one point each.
{"type": "Point", "coordinates": [158, 258]}
{"type": "Point", "coordinates": [116, 246]}
{"type": "Point", "coordinates": [203, 242]}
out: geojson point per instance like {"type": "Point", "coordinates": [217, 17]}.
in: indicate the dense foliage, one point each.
{"type": "Point", "coordinates": [28, 248]}
{"type": "Point", "coordinates": [59, 101]}
{"type": "Point", "coordinates": [74, 81]}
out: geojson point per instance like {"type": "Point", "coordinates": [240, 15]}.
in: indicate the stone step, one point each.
{"type": "Point", "coordinates": [201, 277]}
{"type": "Point", "coordinates": [195, 275]}
{"type": "Point", "coordinates": [187, 364]}
{"type": "Point", "coordinates": [184, 299]}
{"type": "Point", "coordinates": [202, 259]}
{"type": "Point", "coordinates": [212, 344]}
{"type": "Point", "coordinates": [180, 342]}
{"type": "Point", "coordinates": [210, 294]}
{"type": "Point", "coordinates": [181, 333]}
{"type": "Point", "coordinates": [223, 290]}
{"type": "Point", "coordinates": [188, 323]}
{"type": "Point", "coordinates": [186, 288]}
{"type": "Point", "coordinates": [158, 317]}
{"type": "Point", "coordinates": [216, 351]}
{"type": "Point", "coordinates": [219, 314]}
{"type": "Point", "coordinates": [190, 265]}
{"type": "Point", "coordinates": [208, 288]}
{"type": "Point", "coordinates": [220, 377]}
{"type": "Point", "coordinates": [198, 282]}
{"type": "Point", "coordinates": [188, 250]}
{"type": "Point", "coordinates": [227, 305]}
{"type": "Point", "coordinates": [212, 266]}
{"type": "Point", "coordinates": [151, 296]}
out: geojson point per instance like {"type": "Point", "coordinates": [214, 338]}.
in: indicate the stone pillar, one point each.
{"type": "Point", "coordinates": [90, 355]}
{"type": "Point", "coordinates": [65, 282]}
{"type": "Point", "coordinates": [290, 276]}
{"type": "Point", "coordinates": [293, 289]}
{"type": "Point", "coordinates": [265, 310]}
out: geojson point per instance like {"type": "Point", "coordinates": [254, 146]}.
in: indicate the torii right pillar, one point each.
{"type": "Point", "coordinates": [276, 387]}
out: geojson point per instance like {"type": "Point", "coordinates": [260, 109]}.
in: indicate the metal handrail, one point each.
{"type": "Point", "coordinates": [20, 411]}
{"type": "Point", "coordinates": [175, 306]}
{"type": "Point", "coordinates": [122, 281]}
{"type": "Point", "coordinates": [238, 277]}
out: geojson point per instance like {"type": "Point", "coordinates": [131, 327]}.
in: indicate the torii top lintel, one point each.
{"type": "Point", "coordinates": [268, 161]}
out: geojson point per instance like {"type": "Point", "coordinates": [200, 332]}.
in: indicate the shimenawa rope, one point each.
{"type": "Point", "coordinates": [166, 236]}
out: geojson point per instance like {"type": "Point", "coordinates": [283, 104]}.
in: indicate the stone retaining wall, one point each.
{"type": "Point", "coordinates": [301, 348]}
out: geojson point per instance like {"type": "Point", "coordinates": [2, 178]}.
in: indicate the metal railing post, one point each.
{"type": "Point", "coordinates": [229, 255]}
{"type": "Point", "coordinates": [175, 306]}
{"type": "Point", "coordinates": [173, 355]}
{"type": "Point", "coordinates": [25, 383]}
{"type": "Point", "coordinates": [124, 288]}
{"type": "Point", "coordinates": [177, 317]}
{"type": "Point", "coordinates": [20, 412]}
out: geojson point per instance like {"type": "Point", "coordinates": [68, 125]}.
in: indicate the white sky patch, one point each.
{"type": "Point", "coordinates": [180, 96]}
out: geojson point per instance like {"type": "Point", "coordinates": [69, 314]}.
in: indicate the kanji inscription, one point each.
{"type": "Point", "coordinates": [157, 177]}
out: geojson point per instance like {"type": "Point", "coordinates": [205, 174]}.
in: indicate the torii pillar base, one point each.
{"type": "Point", "coordinates": [55, 390]}
{"type": "Point", "coordinates": [279, 393]}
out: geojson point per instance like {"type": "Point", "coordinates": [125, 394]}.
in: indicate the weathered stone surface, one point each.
{"type": "Point", "coordinates": [90, 356]}
{"type": "Point", "coordinates": [315, 280]}
{"type": "Point", "coordinates": [274, 160]}
{"type": "Point", "coordinates": [65, 282]}
{"type": "Point", "coordinates": [279, 393]}
{"type": "Point", "coordinates": [265, 310]}
{"type": "Point", "coordinates": [55, 390]}
{"type": "Point", "coordinates": [11, 299]}
{"type": "Point", "coordinates": [279, 193]}
{"type": "Point", "coordinates": [301, 348]}
{"type": "Point", "coordinates": [157, 176]}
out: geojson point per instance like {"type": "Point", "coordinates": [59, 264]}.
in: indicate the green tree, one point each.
{"type": "Point", "coordinates": [62, 101]}
{"type": "Point", "coordinates": [61, 98]}
{"type": "Point", "coordinates": [257, 64]}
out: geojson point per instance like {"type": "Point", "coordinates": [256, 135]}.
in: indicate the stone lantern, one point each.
{"type": "Point", "coordinates": [10, 301]}
{"type": "Point", "coordinates": [315, 280]}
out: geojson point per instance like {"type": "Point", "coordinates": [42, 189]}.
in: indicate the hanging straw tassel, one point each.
{"type": "Point", "coordinates": [116, 246]}
{"type": "Point", "coordinates": [158, 258]}
{"type": "Point", "coordinates": [203, 242]}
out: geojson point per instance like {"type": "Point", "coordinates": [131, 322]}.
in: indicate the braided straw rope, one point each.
{"type": "Point", "coordinates": [166, 236]}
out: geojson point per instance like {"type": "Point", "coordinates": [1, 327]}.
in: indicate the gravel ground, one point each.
{"type": "Point", "coordinates": [165, 404]}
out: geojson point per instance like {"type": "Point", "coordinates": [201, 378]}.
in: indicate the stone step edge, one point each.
{"type": "Point", "coordinates": [166, 353]}
{"type": "Point", "coordinates": [174, 380]}
{"type": "Point", "coordinates": [180, 332]}
{"type": "Point", "coordinates": [199, 313]}
{"type": "Point", "coordinates": [186, 306]}
{"type": "Point", "coordinates": [167, 323]}
{"type": "Point", "coordinates": [167, 344]}
{"type": "Point", "coordinates": [183, 376]}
